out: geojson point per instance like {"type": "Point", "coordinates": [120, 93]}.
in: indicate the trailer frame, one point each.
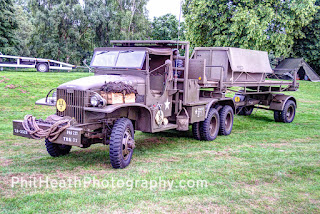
{"type": "Point", "coordinates": [42, 65]}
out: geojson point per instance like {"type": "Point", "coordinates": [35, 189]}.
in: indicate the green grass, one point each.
{"type": "Point", "coordinates": [262, 166]}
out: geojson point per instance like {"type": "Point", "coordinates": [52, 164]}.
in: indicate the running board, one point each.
{"type": "Point", "coordinates": [170, 126]}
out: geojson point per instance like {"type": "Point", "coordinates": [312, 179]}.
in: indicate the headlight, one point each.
{"type": "Point", "coordinates": [94, 101]}
{"type": "Point", "coordinates": [97, 101]}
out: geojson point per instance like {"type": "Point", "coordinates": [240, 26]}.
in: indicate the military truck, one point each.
{"type": "Point", "coordinates": [170, 92]}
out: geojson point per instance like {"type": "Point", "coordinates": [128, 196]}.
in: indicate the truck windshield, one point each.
{"type": "Point", "coordinates": [119, 59]}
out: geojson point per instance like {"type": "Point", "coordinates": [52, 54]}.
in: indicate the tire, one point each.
{"type": "Point", "coordinates": [226, 120]}
{"type": "Point", "coordinates": [196, 131]}
{"type": "Point", "coordinates": [276, 115]}
{"type": "Point", "coordinates": [42, 67]}
{"type": "Point", "coordinates": [289, 111]}
{"type": "Point", "coordinates": [56, 150]}
{"type": "Point", "coordinates": [120, 152]}
{"type": "Point", "coordinates": [209, 128]}
{"type": "Point", "coordinates": [246, 110]}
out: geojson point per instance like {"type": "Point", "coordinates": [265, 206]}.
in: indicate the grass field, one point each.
{"type": "Point", "coordinates": [262, 166]}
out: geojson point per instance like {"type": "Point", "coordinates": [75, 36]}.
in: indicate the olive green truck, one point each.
{"type": "Point", "coordinates": [149, 86]}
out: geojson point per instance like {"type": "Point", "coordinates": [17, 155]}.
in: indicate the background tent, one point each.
{"type": "Point", "coordinates": [287, 68]}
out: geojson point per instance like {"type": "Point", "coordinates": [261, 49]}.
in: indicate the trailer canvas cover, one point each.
{"type": "Point", "coordinates": [250, 61]}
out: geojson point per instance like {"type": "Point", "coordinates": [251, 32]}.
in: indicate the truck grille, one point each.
{"type": "Point", "coordinates": [75, 103]}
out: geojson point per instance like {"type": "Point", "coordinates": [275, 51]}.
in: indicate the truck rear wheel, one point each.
{"type": "Point", "coordinates": [196, 131]}
{"type": "Point", "coordinates": [56, 150]}
{"type": "Point", "coordinates": [209, 128]}
{"type": "Point", "coordinates": [226, 120]}
{"type": "Point", "coordinates": [121, 143]}
{"type": "Point", "coordinates": [289, 111]}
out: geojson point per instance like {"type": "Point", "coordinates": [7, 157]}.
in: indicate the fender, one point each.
{"type": "Point", "coordinates": [140, 113]}
{"type": "Point", "coordinates": [223, 101]}
{"type": "Point", "coordinates": [111, 108]}
{"type": "Point", "coordinates": [279, 100]}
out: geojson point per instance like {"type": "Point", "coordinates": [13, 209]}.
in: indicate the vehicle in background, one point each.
{"type": "Point", "coordinates": [42, 65]}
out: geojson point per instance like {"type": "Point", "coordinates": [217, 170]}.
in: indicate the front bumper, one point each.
{"type": "Point", "coordinates": [70, 136]}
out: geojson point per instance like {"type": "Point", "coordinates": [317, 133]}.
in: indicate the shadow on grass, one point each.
{"type": "Point", "coordinates": [97, 156]}
{"type": "Point", "coordinates": [259, 118]}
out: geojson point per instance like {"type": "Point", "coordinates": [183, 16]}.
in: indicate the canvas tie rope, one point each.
{"type": "Point", "coordinates": [52, 133]}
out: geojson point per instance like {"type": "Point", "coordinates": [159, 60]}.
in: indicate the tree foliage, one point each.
{"type": "Point", "coordinates": [68, 31]}
{"type": "Point", "coordinates": [24, 31]}
{"type": "Point", "coordinates": [308, 47]}
{"type": "Point", "coordinates": [270, 25]}
{"type": "Point", "coordinates": [8, 25]}
{"type": "Point", "coordinates": [166, 27]}
{"type": "Point", "coordinates": [59, 30]}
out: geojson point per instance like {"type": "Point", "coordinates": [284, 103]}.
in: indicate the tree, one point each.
{"type": "Point", "coordinates": [129, 19]}
{"type": "Point", "coordinates": [24, 31]}
{"type": "Point", "coordinates": [269, 25]}
{"type": "Point", "coordinates": [308, 47]}
{"type": "Point", "coordinates": [69, 31]}
{"type": "Point", "coordinates": [8, 25]}
{"type": "Point", "coordinates": [166, 27]}
{"type": "Point", "coordinates": [60, 30]}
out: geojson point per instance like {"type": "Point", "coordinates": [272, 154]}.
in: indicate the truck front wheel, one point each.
{"type": "Point", "coordinates": [210, 126]}
{"type": "Point", "coordinates": [56, 150]}
{"type": "Point", "coordinates": [121, 143]}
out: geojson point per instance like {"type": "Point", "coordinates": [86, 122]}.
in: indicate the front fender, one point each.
{"type": "Point", "coordinates": [137, 112]}
{"type": "Point", "coordinates": [112, 108]}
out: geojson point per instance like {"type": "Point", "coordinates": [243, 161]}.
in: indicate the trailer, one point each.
{"type": "Point", "coordinates": [148, 86]}
{"type": "Point", "coordinates": [42, 65]}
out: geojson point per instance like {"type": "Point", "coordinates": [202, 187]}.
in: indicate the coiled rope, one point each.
{"type": "Point", "coordinates": [30, 125]}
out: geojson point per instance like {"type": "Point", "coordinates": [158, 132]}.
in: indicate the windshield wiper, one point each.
{"type": "Point", "coordinates": [103, 52]}
{"type": "Point", "coordinates": [126, 51]}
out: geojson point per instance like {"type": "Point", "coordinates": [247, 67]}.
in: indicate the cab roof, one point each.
{"type": "Point", "coordinates": [153, 43]}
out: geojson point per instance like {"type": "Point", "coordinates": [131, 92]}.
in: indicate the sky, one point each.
{"type": "Point", "coordinates": [158, 8]}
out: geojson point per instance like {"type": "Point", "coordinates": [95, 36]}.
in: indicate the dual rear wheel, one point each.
{"type": "Point", "coordinates": [215, 123]}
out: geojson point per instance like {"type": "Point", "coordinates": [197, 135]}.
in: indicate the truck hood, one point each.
{"type": "Point", "coordinates": [97, 81]}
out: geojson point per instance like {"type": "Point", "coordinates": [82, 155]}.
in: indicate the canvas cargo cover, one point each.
{"type": "Point", "coordinates": [251, 61]}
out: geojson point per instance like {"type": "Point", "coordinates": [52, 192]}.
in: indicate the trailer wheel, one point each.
{"type": "Point", "coordinates": [246, 110]}
{"type": "Point", "coordinates": [196, 131]}
{"type": "Point", "coordinates": [56, 150]}
{"type": "Point", "coordinates": [121, 143]}
{"type": "Point", "coordinates": [226, 120]}
{"type": "Point", "coordinates": [42, 67]}
{"type": "Point", "coordinates": [209, 128]}
{"type": "Point", "coordinates": [289, 111]}
{"type": "Point", "coordinates": [276, 115]}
